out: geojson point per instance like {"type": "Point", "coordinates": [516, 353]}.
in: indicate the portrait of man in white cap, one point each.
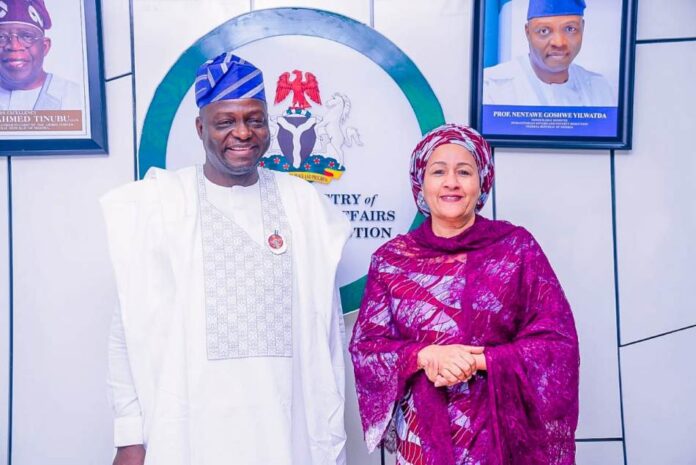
{"type": "Point", "coordinates": [547, 75]}
{"type": "Point", "coordinates": [24, 83]}
{"type": "Point", "coordinates": [227, 346]}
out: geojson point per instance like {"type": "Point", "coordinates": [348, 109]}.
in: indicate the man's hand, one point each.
{"type": "Point", "coordinates": [130, 455]}
{"type": "Point", "coordinates": [447, 365]}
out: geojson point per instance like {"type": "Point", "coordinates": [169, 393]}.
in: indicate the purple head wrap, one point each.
{"type": "Point", "coordinates": [451, 134]}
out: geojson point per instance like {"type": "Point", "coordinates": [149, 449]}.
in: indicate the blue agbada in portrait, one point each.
{"type": "Point", "coordinates": [228, 77]}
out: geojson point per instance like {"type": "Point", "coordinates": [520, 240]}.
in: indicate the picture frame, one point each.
{"type": "Point", "coordinates": [511, 106]}
{"type": "Point", "coordinates": [69, 114]}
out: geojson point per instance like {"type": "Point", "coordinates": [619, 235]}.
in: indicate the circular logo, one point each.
{"type": "Point", "coordinates": [302, 22]}
{"type": "Point", "coordinates": [35, 16]}
{"type": "Point", "coordinates": [3, 9]}
{"type": "Point", "coordinates": [277, 243]}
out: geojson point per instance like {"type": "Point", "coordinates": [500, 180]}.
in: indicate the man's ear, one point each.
{"type": "Point", "coordinates": [199, 127]}
{"type": "Point", "coordinates": [46, 45]}
{"type": "Point", "coordinates": [526, 30]}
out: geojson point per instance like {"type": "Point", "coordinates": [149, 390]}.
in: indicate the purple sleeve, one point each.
{"type": "Point", "coordinates": [533, 380]}
{"type": "Point", "coordinates": [383, 360]}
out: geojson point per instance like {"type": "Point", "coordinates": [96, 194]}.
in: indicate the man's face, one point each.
{"type": "Point", "coordinates": [22, 51]}
{"type": "Point", "coordinates": [554, 41]}
{"type": "Point", "coordinates": [235, 135]}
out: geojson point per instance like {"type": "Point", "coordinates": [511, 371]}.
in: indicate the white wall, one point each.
{"type": "Point", "coordinates": [636, 390]}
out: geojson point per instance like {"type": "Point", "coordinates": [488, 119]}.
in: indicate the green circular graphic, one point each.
{"type": "Point", "coordinates": [263, 24]}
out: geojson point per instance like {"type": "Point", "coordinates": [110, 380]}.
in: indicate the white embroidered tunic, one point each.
{"type": "Point", "coordinates": [190, 409]}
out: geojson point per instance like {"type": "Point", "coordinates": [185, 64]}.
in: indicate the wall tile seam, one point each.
{"type": "Point", "coordinates": [667, 40]}
{"type": "Point", "coordinates": [667, 333]}
{"type": "Point", "coordinates": [617, 299]}
{"type": "Point", "coordinates": [610, 439]}
{"type": "Point", "coordinates": [118, 76]}
{"type": "Point", "coordinates": [10, 326]}
{"type": "Point", "coordinates": [134, 108]}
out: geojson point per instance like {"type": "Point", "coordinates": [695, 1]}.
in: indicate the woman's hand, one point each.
{"type": "Point", "coordinates": [447, 365]}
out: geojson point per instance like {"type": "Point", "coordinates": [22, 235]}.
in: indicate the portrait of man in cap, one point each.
{"type": "Point", "coordinates": [24, 83]}
{"type": "Point", "coordinates": [227, 346]}
{"type": "Point", "coordinates": [547, 75]}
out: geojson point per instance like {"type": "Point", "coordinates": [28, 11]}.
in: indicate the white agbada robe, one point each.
{"type": "Point", "coordinates": [189, 410]}
{"type": "Point", "coordinates": [515, 83]}
{"type": "Point", "coordinates": [55, 94]}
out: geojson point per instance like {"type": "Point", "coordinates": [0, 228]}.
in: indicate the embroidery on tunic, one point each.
{"type": "Point", "coordinates": [248, 288]}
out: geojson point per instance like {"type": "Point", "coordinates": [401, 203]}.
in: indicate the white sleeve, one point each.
{"type": "Point", "coordinates": [128, 422]}
{"type": "Point", "coordinates": [337, 344]}
{"type": "Point", "coordinates": [120, 213]}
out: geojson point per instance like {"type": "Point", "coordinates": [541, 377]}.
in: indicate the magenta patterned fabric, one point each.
{"type": "Point", "coordinates": [490, 286]}
{"type": "Point", "coordinates": [451, 134]}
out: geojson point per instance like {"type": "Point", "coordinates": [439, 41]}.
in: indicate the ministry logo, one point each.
{"type": "Point", "coordinates": [311, 144]}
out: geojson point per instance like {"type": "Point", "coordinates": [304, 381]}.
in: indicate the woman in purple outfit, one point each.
{"type": "Point", "coordinates": [465, 350]}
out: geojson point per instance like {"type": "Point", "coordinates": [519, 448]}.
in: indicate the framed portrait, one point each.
{"type": "Point", "coordinates": [554, 73]}
{"type": "Point", "coordinates": [51, 78]}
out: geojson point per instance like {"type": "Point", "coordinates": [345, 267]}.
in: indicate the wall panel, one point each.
{"type": "Point", "coordinates": [64, 297]}
{"type": "Point", "coordinates": [655, 192]}
{"type": "Point", "coordinates": [153, 28]}
{"type": "Point", "coordinates": [436, 35]}
{"type": "Point", "coordinates": [659, 379]}
{"type": "Point", "coordinates": [116, 37]}
{"type": "Point", "coordinates": [600, 453]}
{"type": "Point", "coordinates": [658, 19]}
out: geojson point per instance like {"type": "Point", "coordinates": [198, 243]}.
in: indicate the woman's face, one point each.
{"type": "Point", "coordinates": [451, 186]}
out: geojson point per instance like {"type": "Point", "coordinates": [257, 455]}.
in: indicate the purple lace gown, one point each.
{"type": "Point", "coordinates": [490, 286]}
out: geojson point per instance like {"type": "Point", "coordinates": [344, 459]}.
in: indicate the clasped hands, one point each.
{"type": "Point", "coordinates": [447, 365]}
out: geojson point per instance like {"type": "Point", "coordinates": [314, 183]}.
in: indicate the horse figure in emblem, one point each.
{"type": "Point", "coordinates": [330, 130]}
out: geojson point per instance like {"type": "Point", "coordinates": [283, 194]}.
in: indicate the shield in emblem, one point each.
{"type": "Point", "coordinates": [296, 136]}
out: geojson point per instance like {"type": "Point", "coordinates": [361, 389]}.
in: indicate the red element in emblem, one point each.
{"type": "Point", "coordinates": [298, 87]}
{"type": "Point", "coordinates": [276, 160]}
{"type": "Point", "coordinates": [331, 164]}
{"type": "Point", "coordinates": [262, 163]}
{"type": "Point", "coordinates": [317, 161]}
{"type": "Point", "coordinates": [307, 166]}
{"type": "Point", "coordinates": [275, 241]}
{"type": "Point", "coordinates": [286, 166]}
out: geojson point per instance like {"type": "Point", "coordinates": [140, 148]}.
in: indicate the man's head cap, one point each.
{"type": "Point", "coordinates": [540, 8]}
{"type": "Point", "coordinates": [32, 12]}
{"type": "Point", "coordinates": [228, 77]}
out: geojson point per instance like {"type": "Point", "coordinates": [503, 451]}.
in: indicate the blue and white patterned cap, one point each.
{"type": "Point", "coordinates": [228, 77]}
{"type": "Point", "coordinates": [540, 8]}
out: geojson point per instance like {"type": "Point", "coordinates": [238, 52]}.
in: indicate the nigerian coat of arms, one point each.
{"type": "Point", "coordinates": [308, 143]}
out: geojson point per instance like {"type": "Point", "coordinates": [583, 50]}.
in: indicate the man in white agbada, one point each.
{"type": "Point", "coordinates": [548, 76]}
{"type": "Point", "coordinates": [227, 347]}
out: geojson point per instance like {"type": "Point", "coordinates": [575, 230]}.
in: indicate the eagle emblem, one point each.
{"type": "Point", "coordinates": [299, 88]}
{"type": "Point", "coordinates": [304, 143]}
